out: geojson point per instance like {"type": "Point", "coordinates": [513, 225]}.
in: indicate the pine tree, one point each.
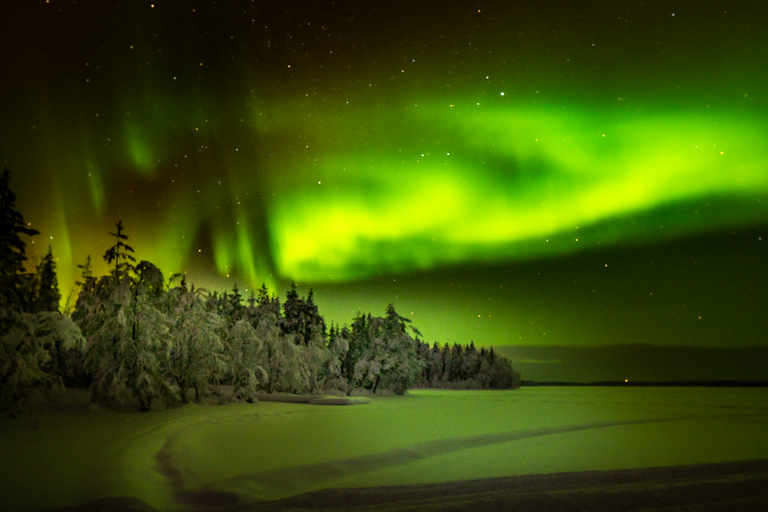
{"type": "Point", "coordinates": [314, 323]}
{"type": "Point", "coordinates": [251, 301]}
{"type": "Point", "coordinates": [86, 272]}
{"type": "Point", "coordinates": [126, 326]}
{"type": "Point", "coordinates": [294, 322]}
{"type": "Point", "coordinates": [47, 295]}
{"type": "Point", "coordinates": [436, 367]}
{"type": "Point", "coordinates": [118, 252]}
{"type": "Point", "coordinates": [263, 294]}
{"type": "Point", "coordinates": [235, 301]}
{"type": "Point", "coordinates": [87, 293]}
{"type": "Point", "coordinates": [358, 341]}
{"type": "Point", "coordinates": [389, 359]}
{"type": "Point", "coordinates": [469, 367]}
{"type": "Point", "coordinates": [457, 362]}
{"type": "Point", "coordinates": [13, 296]}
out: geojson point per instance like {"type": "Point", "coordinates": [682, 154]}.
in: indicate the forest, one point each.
{"type": "Point", "coordinates": [134, 335]}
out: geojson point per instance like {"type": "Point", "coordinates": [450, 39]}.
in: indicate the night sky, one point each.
{"type": "Point", "coordinates": [533, 173]}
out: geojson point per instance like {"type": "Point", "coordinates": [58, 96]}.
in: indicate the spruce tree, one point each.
{"type": "Point", "coordinates": [389, 359]}
{"type": "Point", "coordinates": [47, 295]}
{"type": "Point", "coordinates": [118, 252]}
{"type": "Point", "coordinates": [314, 326]}
{"type": "Point", "coordinates": [294, 321]}
{"type": "Point", "coordinates": [12, 255]}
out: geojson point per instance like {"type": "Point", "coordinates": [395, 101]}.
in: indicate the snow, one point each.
{"type": "Point", "coordinates": [269, 450]}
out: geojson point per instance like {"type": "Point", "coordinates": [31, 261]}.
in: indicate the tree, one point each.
{"type": "Point", "coordinates": [502, 375]}
{"type": "Point", "coordinates": [125, 333]}
{"type": "Point", "coordinates": [118, 252]}
{"type": "Point", "coordinates": [447, 358]}
{"type": "Point", "coordinates": [194, 357]}
{"type": "Point", "coordinates": [242, 349]}
{"type": "Point", "coordinates": [424, 353]}
{"type": "Point", "coordinates": [13, 283]}
{"type": "Point", "coordinates": [294, 323]}
{"type": "Point", "coordinates": [234, 305]}
{"type": "Point", "coordinates": [86, 272]}
{"type": "Point", "coordinates": [389, 359]}
{"type": "Point", "coordinates": [470, 363]}
{"type": "Point", "coordinates": [87, 293]}
{"type": "Point", "coordinates": [34, 353]}
{"type": "Point", "coordinates": [314, 325]}
{"type": "Point", "coordinates": [358, 337]}
{"type": "Point", "coordinates": [334, 382]}
{"type": "Point", "coordinates": [46, 294]}
{"type": "Point", "coordinates": [435, 367]}
{"type": "Point", "coordinates": [457, 363]}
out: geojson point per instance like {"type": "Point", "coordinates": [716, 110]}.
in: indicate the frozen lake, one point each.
{"type": "Point", "coordinates": [176, 458]}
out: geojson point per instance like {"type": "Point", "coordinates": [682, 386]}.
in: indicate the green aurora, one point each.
{"type": "Point", "coordinates": [498, 182]}
{"type": "Point", "coordinates": [378, 158]}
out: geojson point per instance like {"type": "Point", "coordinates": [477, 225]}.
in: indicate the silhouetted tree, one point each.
{"type": "Point", "coordinates": [436, 367]}
{"type": "Point", "coordinates": [314, 323]}
{"type": "Point", "coordinates": [14, 294]}
{"type": "Point", "coordinates": [118, 252]}
{"type": "Point", "coordinates": [46, 296]}
{"type": "Point", "coordinates": [34, 346]}
{"type": "Point", "coordinates": [294, 323]}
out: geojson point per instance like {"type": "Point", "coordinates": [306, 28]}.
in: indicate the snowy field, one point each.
{"type": "Point", "coordinates": [217, 455]}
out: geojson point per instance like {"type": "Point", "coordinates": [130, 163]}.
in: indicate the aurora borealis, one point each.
{"type": "Point", "coordinates": [533, 173]}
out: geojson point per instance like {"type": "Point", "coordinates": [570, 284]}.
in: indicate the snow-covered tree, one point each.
{"type": "Point", "coordinates": [358, 337]}
{"type": "Point", "coordinates": [35, 351]}
{"type": "Point", "coordinates": [334, 381]}
{"type": "Point", "coordinates": [242, 348]}
{"type": "Point", "coordinates": [312, 360]}
{"type": "Point", "coordinates": [280, 357]}
{"type": "Point", "coordinates": [194, 356]}
{"type": "Point", "coordinates": [390, 359]}
{"type": "Point", "coordinates": [126, 333]}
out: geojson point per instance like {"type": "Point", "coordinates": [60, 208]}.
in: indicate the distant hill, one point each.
{"type": "Point", "coordinates": [637, 362]}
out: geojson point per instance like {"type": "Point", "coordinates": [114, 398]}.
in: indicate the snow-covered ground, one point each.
{"type": "Point", "coordinates": [218, 454]}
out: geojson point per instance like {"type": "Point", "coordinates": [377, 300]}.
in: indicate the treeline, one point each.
{"type": "Point", "coordinates": [465, 367]}
{"type": "Point", "coordinates": [135, 335]}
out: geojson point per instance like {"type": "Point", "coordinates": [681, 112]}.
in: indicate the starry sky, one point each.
{"type": "Point", "coordinates": [529, 173]}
